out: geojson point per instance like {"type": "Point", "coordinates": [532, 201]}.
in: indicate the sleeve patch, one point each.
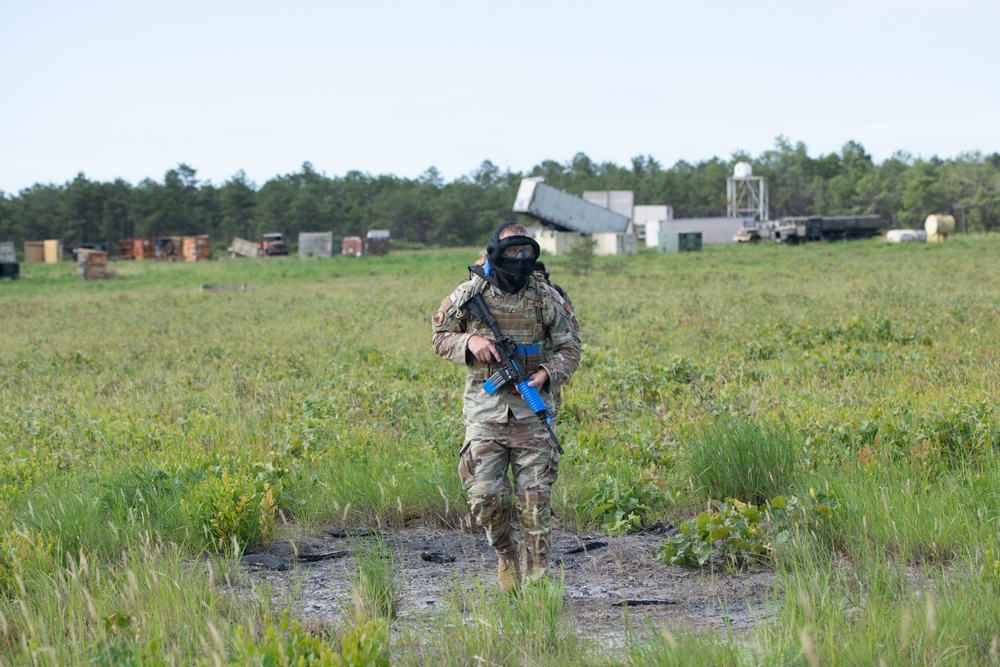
{"type": "Point", "coordinates": [438, 318]}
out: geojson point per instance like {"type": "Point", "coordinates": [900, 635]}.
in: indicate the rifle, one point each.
{"type": "Point", "coordinates": [511, 368]}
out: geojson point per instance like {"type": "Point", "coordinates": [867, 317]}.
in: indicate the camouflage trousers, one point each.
{"type": "Point", "coordinates": [524, 447]}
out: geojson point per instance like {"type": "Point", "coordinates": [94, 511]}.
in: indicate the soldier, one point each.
{"type": "Point", "coordinates": [500, 430]}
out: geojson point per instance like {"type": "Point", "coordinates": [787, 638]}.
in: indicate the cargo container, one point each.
{"type": "Point", "coordinates": [679, 241]}
{"type": "Point", "coordinates": [196, 248]}
{"type": "Point", "coordinates": [315, 244]}
{"type": "Point", "coordinates": [143, 248]}
{"type": "Point", "coordinates": [355, 246]}
{"type": "Point", "coordinates": [34, 252]}
{"type": "Point", "coordinates": [53, 251]}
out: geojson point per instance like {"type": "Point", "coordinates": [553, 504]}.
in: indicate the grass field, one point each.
{"type": "Point", "coordinates": [151, 431]}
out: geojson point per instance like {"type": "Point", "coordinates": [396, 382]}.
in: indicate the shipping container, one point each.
{"type": "Point", "coordinates": [124, 249]}
{"type": "Point", "coordinates": [143, 248]}
{"type": "Point", "coordinates": [53, 249]}
{"type": "Point", "coordinates": [675, 240]}
{"type": "Point", "coordinates": [196, 248]}
{"type": "Point", "coordinates": [352, 246]}
{"type": "Point", "coordinates": [34, 252]}
{"type": "Point", "coordinates": [315, 244]}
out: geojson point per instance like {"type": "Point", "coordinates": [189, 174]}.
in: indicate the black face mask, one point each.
{"type": "Point", "coordinates": [511, 273]}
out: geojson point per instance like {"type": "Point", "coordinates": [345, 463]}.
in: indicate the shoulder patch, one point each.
{"type": "Point", "coordinates": [446, 304]}
{"type": "Point", "coordinates": [438, 318]}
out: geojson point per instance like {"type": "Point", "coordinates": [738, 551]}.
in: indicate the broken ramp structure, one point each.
{"type": "Point", "coordinates": [567, 218]}
{"type": "Point", "coordinates": [565, 212]}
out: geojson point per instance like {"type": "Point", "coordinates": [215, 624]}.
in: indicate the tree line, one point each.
{"type": "Point", "coordinates": [902, 189]}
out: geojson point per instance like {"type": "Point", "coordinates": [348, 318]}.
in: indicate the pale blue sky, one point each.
{"type": "Point", "coordinates": [130, 89]}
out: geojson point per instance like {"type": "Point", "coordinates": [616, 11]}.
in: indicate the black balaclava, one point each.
{"type": "Point", "coordinates": [511, 273]}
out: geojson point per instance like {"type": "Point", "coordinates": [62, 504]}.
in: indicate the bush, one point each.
{"type": "Point", "coordinates": [733, 459]}
{"type": "Point", "coordinates": [232, 508]}
{"type": "Point", "coordinates": [288, 645]}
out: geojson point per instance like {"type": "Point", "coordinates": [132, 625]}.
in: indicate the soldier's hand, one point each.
{"type": "Point", "coordinates": [483, 349]}
{"type": "Point", "coordinates": [539, 379]}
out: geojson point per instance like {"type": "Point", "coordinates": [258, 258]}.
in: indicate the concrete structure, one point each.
{"type": "Point", "coordinates": [7, 253]}
{"type": "Point", "coordinates": [713, 230]}
{"type": "Point", "coordinates": [556, 243]}
{"type": "Point", "coordinates": [564, 212]}
{"type": "Point", "coordinates": [647, 219]}
{"type": "Point", "coordinates": [615, 244]}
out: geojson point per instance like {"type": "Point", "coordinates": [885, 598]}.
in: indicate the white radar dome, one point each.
{"type": "Point", "coordinates": [742, 170]}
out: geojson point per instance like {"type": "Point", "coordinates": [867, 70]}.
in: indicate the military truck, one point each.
{"type": "Point", "coordinates": [271, 244]}
{"type": "Point", "coordinates": [754, 231]}
{"type": "Point", "coordinates": [794, 230]}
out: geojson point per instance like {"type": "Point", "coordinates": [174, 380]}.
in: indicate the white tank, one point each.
{"type": "Point", "coordinates": [742, 170]}
{"type": "Point", "coordinates": [938, 227]}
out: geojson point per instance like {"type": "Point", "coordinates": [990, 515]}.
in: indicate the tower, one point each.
{"type": "Point", "coordinates": [746, 194]}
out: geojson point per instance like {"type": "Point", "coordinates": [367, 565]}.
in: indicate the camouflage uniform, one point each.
{"type": "Point", "coordinates": [501, 430]}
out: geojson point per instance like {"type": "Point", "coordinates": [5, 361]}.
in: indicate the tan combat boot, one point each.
{"type": "Point", "coordinates": [537, 568]}
{"type": "Point", "coordinates": [509, 574]}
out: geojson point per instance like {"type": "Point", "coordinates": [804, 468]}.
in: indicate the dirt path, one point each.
{"type": "Point", "coordinates": [595, 583]}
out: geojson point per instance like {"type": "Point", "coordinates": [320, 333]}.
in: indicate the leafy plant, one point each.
{"type": "Point", "coordinates": [738, 532]}
{"type": "Point", "coordinates": [232, 508]}
{"type": "Point", "coordinates": [618, 506]}
{"type": "Point", "coordinates": [288, 645]}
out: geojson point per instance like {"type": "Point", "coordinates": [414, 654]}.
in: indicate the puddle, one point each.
{"type": "Point", "coordinates": [595, 582]}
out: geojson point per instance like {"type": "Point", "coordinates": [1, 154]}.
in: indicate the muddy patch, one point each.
{"type": "Point", "coordinates": [600, 573]}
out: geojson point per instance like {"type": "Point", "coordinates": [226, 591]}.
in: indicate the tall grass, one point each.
{"type": "Point", "coordinates": [749, 461]}
{"type": "Point", "coordinates": [481, 626]}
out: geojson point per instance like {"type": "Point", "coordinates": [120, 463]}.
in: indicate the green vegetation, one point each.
{"type": "Point", "coordinates": [427, 211]}
{"type": "Point", "coordinates": [150, 431]}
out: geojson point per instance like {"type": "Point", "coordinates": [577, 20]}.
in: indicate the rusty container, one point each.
{"type": "Point", "coordinates": [197, 248]}
{"type": "Point", "coordinates": [34, 252]}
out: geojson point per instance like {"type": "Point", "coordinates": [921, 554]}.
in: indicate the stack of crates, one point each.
{"type": "Point", "coordinates": [91, 264]}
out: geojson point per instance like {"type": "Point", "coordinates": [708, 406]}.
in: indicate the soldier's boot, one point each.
{"type": "Point", "coordinates": [536, 567]}
{"type": "Point", "coordinates": [509, 573]}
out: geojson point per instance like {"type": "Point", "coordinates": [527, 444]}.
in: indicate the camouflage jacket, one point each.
{"type": "Point", "coordinates": [559, 344]}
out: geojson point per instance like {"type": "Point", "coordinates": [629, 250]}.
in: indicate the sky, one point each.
{"type": "Point", "coordinates": [117, 89]}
